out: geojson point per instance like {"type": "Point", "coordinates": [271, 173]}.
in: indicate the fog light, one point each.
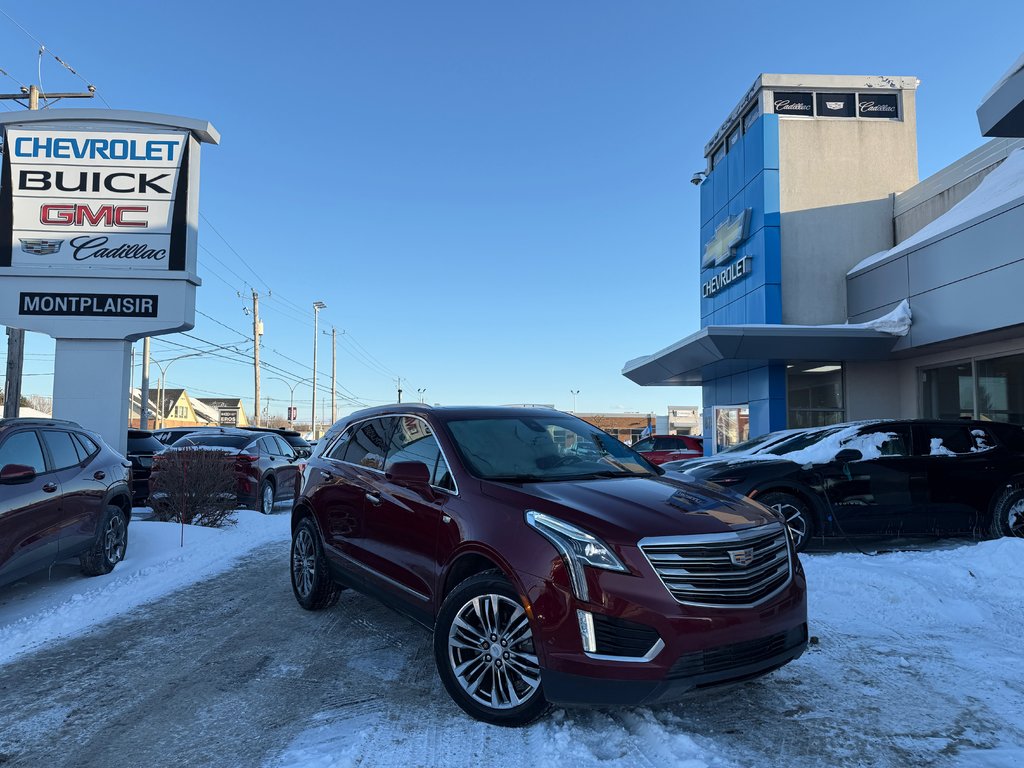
{"type": "Point", "coordinates": [586, 622]}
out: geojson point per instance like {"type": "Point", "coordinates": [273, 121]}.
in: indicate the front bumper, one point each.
{"type": "Point", "coordinates": [697, 646]}
{"type": "Point", "coordinates": [700, 669]}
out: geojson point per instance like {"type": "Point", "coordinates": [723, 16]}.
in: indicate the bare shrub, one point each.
{"type": "Point", "coordinates": [195, 486]}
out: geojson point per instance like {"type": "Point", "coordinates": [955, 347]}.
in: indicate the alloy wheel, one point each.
{"type": "Point", "coordinates": [491, 652]}
{"type": "Point", "coordinates": [267, 502]}
{"type": "Point", "coordinates": [114, 539]}
{"type": "Point", "coordinates": [795, 521]}
{"type": "Point", "coordinates": [1015, 519]}
{"type": "Point", "coordinates": [303, 563]}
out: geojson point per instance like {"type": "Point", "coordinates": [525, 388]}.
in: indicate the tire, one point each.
{"type": "Point", "coordinates": [1008, 512]}
{"type": "Point", "coordinates": [265, 496]}
{"type": "Point", "coordinates": [503, 690]}
{"type": "Point", "coordinates": [312, 585]}
{"type": "Point", "coordinates": [796, 514]}
{"type": "Point", "coordinates": [110, 545]}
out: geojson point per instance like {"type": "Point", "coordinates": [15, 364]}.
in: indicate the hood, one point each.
{"type": "Point", "coordinates": [632, 508]}
{"type": "Point", "coordinates": [712, 468]}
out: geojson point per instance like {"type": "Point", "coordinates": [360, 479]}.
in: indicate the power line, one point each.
{"type": "Point", "coordinates": [58, 59]}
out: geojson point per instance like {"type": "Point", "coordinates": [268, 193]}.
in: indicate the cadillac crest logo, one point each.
{"type": "Point", "coordinates": [743, 557]}
{"type": "Point", "coordinates": [40, 247]}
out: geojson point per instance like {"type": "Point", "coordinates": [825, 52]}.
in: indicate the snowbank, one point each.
{"type": "Point", "coordinates": [39, 609]}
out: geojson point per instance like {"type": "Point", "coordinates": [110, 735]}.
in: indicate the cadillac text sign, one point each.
{"type": "Point", "coordinates": [80, 199]}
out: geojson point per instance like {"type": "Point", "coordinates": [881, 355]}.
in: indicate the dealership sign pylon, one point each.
{"type": "Point", "coordinates": [99, 218]}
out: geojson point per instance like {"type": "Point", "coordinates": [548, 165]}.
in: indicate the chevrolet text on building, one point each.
{"type": "Point", "coordinates": [99, 222]}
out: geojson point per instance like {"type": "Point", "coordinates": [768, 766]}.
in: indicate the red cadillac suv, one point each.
{"type": "Point", "coordinates": [548, 574]}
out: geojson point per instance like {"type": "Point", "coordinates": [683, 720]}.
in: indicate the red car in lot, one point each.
{"type": "Point", "coordinates": [548, 574]}
{"type": "Point", "coordinates": [64, 493]}
{"type": "Point", "coordinates": [266, 466]}
{"type": "Point", "coordinates": [658, 449]}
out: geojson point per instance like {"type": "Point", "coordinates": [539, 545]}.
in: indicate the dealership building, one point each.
{"type": "Point", "coordinates": [834, 285]}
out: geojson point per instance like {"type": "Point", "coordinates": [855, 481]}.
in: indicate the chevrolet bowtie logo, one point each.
{"type": "Point", "coordinates": [730, 233]}
{"type": "Point", "coordinates": [40, 247]}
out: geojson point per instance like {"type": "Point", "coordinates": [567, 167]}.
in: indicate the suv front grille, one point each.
{"type": "Point", "coordinates": [734, 569]}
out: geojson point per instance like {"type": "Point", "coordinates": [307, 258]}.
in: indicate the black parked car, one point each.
{"type": "Point", "coordinates": [142, 445]}
{"type": "Point", "coordinates": [171, 435]}
{"type": "Point", "coordinates": [63, 493]}
{"type": "Point", "coordinates": [294, 439]}
{"type": "Point", "coordinates": [886, 478]}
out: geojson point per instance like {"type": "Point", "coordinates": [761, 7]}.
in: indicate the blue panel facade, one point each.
{"type": "Point", "coordinates": [748, 178]}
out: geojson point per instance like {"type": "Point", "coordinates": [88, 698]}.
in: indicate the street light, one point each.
{"type": "Point", "coordinates": [574, 392]}
{"type": "Point", "coordinates": [317, 306]}
{"type": "Point", "coordinates": [420, 392]}
{"type": "Point", "coordinates": [291, 390]}
{"type": "Point", "coordinates": [163, 366]}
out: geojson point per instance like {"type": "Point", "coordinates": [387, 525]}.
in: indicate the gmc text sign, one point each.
{"type": "Point", "coordinates": [80, 199]}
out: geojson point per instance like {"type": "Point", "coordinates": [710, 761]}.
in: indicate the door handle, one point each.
{"type": "Point", "coordinates": [375, 500]}
{"type": "Point", "coordinates": [326, 475]}
{"type": "Point", "coordinates": [99, 474]}
{"type": "Point", "coordinates": [50, 487]}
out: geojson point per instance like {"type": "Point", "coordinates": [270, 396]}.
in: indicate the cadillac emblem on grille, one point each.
{"type": "Point", "coordinates": [40, 247]}
{"type": "Point", "coordinates": [741, 556]}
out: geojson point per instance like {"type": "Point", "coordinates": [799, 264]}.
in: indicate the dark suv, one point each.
{"type": "Point", "coordinates": [548, 573]}
{"type": "Point", "coordinates": [266, 467]}
{"type": "Point", "coordinates": [63, 493]}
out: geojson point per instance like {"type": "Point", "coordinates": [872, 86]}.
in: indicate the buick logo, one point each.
{"type": "Point", "coordinates": [741, 556]}
{"type": "Point", "coordinates": [40, 247]}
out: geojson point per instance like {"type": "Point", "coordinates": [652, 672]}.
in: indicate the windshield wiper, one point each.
{"type": "Point", "coordinates": [518, 479]}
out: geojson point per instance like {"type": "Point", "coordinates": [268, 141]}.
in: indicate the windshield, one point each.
{"type": "Point", "coordinates": [143, 442]}
{"type": "Point", "coordinates": [543, 448]}
{"type": "Point", "coordinates": [747, 446]}
{"type": "Point", "coordinates": [802, 440]}
{"type": "Point", "coordinates": [212, 441]}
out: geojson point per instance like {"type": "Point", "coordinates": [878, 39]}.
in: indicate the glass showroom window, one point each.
{"type": "Point", "coordinates": [1001, 389]}
{"type": "Point", "coordinates": [815, 395]}
{"type": "Point", "coordinates": [948, 392]}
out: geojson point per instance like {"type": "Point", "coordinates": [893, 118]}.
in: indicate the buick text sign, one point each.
{"type": "Point", "coordinates": [79, 199]}
{"type": "Point", "coordinates": [87, 305]}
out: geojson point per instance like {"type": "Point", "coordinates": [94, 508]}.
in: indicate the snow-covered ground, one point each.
{"type": "Point", "coordinates": [917, 662]}
{"type": "Point", "coordinates": [161, 558]}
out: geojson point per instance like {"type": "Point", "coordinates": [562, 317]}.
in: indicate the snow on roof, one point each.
{"type": "Point", "coordinates": [1001, 187]}
{"type": "Point", "coordinates": [204, 411]}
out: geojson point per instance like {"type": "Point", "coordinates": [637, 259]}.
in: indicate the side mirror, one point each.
{"type": "Point", "coordinates": [848, 455]}
{"type": "Point", "coordinates": [411, 474]}
{"type": "Point", "coordinates": [17, 473]}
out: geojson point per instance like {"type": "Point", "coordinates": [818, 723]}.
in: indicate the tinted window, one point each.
{"type": "Point", "coordinates": [337, 450]}
{"type": "Point", "coordinates": [368, 444]}
{"type": "Point", "coordinates": [265, 445]}
{"type": "Point", "coordinates": [669, 444]}
{"type": "Point", "coordinates": [283, 449]}
{"type": "Point", "coordinates": [295, 441]}
{"type": "Point", "coordinates": [947, 440]}
{"type": "Point", "coordinates": [90, 447]}
{"type": "Point", "coordinates": [897, 442]}
{"type": "Point", "coordinates": [22, 448]}
{"type": "Point", "coordinates": [643, 445]}
{"type": "Point", "coordinates": [62, 449]}
{"type": "Point", "coordinates": [413, 440]}
{"type": "Point", "coordinates": [143, 443]}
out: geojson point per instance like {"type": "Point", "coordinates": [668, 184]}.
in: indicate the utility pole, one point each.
{"type": "Point", "coordinates": [16, 336]}
{"type": "Point", "coordinates": [257, 331]}
{"type": "Point", "coordinates": [399, 389]}
{"type": "Point", "coordinates": [334, 374]}
{"type": "Point", "coordinates": [144, 389]}
{"type": "Point", "coordinates": [317, 306]}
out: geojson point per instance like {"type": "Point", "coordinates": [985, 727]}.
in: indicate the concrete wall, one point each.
{"type": "Point", "coordinates": [836, 179]}
{"type": "Point", "coordinates": [873, 391]}
{"type": "Point", "coordinates": [926, 212]}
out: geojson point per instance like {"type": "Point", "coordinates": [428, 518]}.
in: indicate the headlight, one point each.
{"type": "Point", "coordinates": [577, 548]}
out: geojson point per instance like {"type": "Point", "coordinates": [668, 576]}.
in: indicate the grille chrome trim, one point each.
{"type": "Point", "coordinates": [697, 570]}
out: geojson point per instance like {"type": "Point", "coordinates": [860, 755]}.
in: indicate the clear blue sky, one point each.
{"type": "Point", "coordinates": [492, 198]}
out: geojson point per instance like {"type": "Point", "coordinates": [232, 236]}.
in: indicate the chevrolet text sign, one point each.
{"type": "Point", "coordinates": [81, 199]}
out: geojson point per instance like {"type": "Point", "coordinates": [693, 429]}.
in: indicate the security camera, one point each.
{"type": "Point", "coordinates": [697, 178]}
